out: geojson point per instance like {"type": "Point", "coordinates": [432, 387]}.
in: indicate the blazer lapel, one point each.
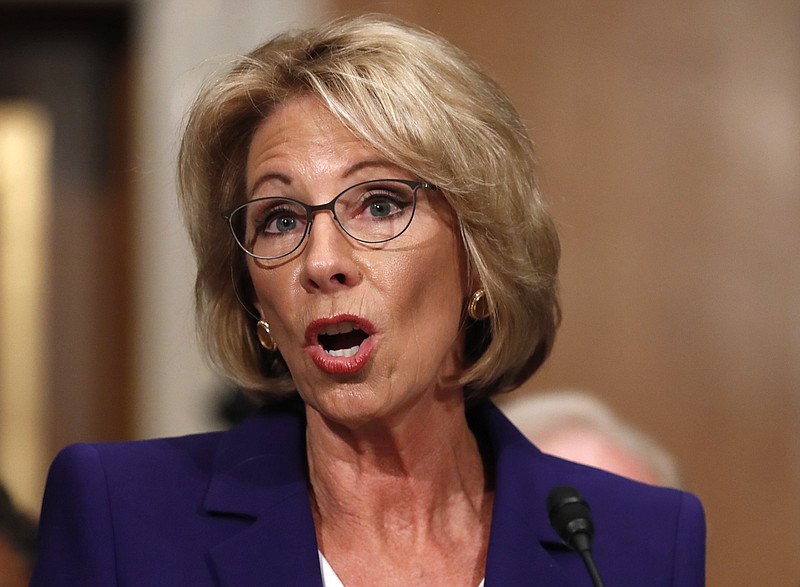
{"type": "Point", "coordinates": [260, 474]}
{"type": "Point", "coordinates": [523, 547]}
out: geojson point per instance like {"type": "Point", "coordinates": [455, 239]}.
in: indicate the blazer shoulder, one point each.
{"type": "Point", "coordinates": [139, 509]}
{"type": "Point", "coordinates": [657, 531]}
{"type": "Point", "coordinates": [183, 451]}
{"type": "Point", "coordinates": [609, 493]}
{"type": "Point", "coordinates": [134, 472]}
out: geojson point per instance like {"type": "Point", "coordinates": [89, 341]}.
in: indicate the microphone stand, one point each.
{"type": "Point", "coordinates": [581, 543]}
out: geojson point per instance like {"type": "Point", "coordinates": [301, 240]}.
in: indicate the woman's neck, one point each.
{"type": "Point", "coordinates": [403, 492]}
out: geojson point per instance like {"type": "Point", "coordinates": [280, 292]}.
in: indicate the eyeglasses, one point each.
{"type": "Point", "coordinates": [370, 212]}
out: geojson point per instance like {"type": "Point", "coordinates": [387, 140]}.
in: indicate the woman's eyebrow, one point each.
{"type": "Point", "coordinates": [371, 163]}
{"type": "Point", "coordinates": [262, 179]}
{"type": "Point", "coordinates": [349, 171]}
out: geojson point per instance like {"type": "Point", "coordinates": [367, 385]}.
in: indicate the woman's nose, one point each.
{"type": "Point", "coordinates": [327, 257]}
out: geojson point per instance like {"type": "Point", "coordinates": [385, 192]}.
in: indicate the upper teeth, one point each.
{"type": "Point", "coordinates": [338, 328]}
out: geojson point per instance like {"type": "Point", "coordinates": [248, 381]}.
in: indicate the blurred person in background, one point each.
{"type": "Point", "coordinates": [577, 426]}
{"type": "Point", "coordinates": [17, 543]}
{"type": "Point", "coordinates": [374, 262]}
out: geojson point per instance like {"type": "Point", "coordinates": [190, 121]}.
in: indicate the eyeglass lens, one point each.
{"type": "Point", "coordinates": [370, 212]}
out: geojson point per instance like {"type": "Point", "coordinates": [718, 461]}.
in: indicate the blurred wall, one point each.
{"type": "Point", "coordinates": [669, 142]}
{"type": "Point", "coordinates": [25, 140]}
{"type": "Point", "coordinates": [64, 373]}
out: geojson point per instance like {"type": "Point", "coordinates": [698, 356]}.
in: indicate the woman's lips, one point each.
{"type": "Point", "coordinates": [348, 343]}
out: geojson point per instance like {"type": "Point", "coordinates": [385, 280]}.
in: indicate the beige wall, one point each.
{"type": "Point", "coordinates": [25, 144]}
{"type": "Point", "coordinates": [669, 140]}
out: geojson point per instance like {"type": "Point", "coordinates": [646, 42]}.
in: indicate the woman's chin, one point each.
{"type": "Point", "coordinates": [351, 405]}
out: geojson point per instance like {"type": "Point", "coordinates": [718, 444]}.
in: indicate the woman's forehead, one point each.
{"type": "Point", "coordinates": [302, 140]}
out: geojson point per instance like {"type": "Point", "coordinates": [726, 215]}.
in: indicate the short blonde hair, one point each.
{"type": "Point", "coordinates": [427, 107]}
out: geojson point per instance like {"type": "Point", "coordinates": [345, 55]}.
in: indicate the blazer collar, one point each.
{"type": "Point", "coordinates": [260, 473]}
{"type": "Point", "coordinates": [521, 542]}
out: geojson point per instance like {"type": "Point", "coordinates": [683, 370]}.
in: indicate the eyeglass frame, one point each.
{"type": "Point", "coordinates": [311, 211]}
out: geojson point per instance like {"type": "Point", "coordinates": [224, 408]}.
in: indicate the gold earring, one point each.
{"type": "Point", "coordinates": [478, 308]}
{"type": "Point", "coordinates": [265, 336]}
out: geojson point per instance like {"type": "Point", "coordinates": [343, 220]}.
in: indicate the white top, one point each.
{"type": "Point", "coordinates": [330, 579]}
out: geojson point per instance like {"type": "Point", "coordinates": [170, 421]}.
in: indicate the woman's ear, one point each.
{"type": "Point", "coordinates": [255, 303]}
{"type": "Point", "coordinates": [474, 283]}
{"type": "Point", "coordinates": [257, 306]}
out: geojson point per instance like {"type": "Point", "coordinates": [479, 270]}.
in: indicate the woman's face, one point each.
{"type": "Point", "coordinates": [369, 331]}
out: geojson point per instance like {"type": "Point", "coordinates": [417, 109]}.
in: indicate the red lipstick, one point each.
{"type": "Point", "coordinates": [340, 344]}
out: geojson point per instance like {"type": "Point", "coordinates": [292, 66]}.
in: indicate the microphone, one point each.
{"type": "Point", "coordinates": [571, 518]}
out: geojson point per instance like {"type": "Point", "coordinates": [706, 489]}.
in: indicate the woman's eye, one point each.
{"type": "Point", "coordinates": [280, 224]}
{"type": "Point", "coordinates": [277, 220]}
{"type": "Point", "coordinates": [381, 207]}
{"type": "Point", "coordinates": [384, 204]}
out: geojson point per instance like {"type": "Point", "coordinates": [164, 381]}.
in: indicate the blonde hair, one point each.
{"type": "Point", "coordinates": [427, 107]}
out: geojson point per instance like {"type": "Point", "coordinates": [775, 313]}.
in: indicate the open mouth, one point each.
{"type": "Point", "coordinates": [342, 339]}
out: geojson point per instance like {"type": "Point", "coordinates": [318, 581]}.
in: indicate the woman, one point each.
{"type": "Point", "coordinates": [385, 265]}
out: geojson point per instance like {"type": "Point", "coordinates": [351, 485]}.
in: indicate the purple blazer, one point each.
{"type": "Point", "coordinates": [231, 509]}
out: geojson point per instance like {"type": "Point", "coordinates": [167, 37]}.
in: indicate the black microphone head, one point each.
{"type": "Point", "coordinates": [571, 517]}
